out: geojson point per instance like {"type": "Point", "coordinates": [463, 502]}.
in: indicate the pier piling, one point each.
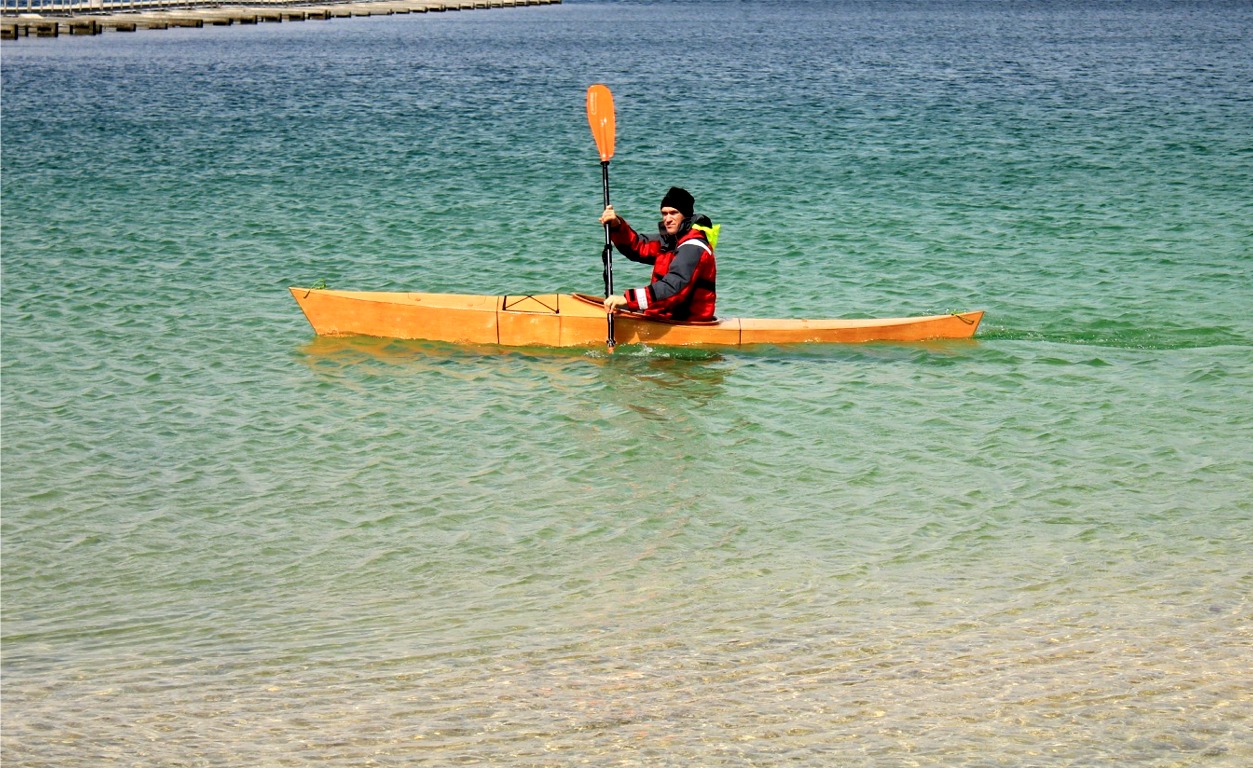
{"type": "Point", "coordinates": [93, 17]}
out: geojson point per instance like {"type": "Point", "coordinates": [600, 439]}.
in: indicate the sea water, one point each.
{"type": "Point", "coordinates": [228, 542]}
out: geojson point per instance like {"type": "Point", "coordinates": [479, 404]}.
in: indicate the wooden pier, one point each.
{"type": "Point", "coordinates": [93, 17]}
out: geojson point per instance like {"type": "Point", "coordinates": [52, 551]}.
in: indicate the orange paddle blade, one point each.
{"type": "Point", "coordinates": [600, 117]}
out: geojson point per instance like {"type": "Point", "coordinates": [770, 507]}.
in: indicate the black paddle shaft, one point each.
{"type": "Point", "coordinates": [607, 255]}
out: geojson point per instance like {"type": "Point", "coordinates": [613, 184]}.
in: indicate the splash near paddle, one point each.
{"type": "Point", "coordinates": [601, 118]}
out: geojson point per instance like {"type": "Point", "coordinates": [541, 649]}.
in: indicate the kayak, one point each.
{"type": "Point", "coordinates": [576, 320]}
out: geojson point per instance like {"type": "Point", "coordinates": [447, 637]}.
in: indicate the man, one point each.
{"type": "Point", "coordinates": [682, 256]}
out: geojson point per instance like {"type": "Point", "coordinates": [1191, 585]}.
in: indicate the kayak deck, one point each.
{"type": "Point", "coordinates": [575, 320]}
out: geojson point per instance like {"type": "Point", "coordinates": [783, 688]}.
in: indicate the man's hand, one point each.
{"type": "Point", "coordinates": [609, 216]}
{"type": "Point", "coordinates": [614, 303]}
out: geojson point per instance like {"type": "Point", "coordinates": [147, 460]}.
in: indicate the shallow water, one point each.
{"type": "Point", "coordinates": [226, 541]}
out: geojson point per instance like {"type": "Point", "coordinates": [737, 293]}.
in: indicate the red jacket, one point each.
{"type": "Point", "coordinates": [684, 274]}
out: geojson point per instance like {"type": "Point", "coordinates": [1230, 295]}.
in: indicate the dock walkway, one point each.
{"type": "Point", "coordinates": [93, 17]}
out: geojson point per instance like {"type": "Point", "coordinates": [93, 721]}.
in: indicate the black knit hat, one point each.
{"type": "Point", "coordinates": [681, 200]}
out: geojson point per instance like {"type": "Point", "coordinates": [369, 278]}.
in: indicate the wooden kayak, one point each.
{"type": "Point", "coordinates": [575, 320]}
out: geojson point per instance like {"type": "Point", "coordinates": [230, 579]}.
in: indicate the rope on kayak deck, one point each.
{"type": "Point", "coordinates": [318, 286]}
{"type": "Point", "coordinates": [506, 305]}
{"type": "Point", "coordinates": [961, 316]}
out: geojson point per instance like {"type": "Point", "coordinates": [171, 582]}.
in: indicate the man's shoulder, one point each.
{"type": "Point", "coordinates": [695, 243]}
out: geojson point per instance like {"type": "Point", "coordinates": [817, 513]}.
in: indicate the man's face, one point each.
{"type": "Point", "coordinates": [671, 219]}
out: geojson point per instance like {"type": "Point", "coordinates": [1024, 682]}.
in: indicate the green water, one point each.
{"type": "Point", "coordinates": [227, 541]}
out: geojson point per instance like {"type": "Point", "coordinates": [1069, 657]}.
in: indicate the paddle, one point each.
{"type": "Point", "coordinates": [600, 117]}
